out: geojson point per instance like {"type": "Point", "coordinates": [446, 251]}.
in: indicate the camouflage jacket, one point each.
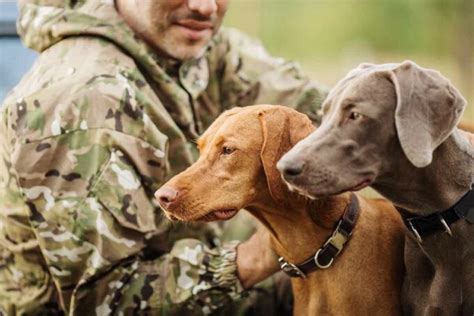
{"type": "Point", "coordinates": [88, 135]}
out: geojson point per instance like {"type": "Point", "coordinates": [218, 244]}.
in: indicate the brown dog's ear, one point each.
{"type": "Point", "coordinates": [282, 129]}
{"type": "Point", "coordinates": [428, 109]}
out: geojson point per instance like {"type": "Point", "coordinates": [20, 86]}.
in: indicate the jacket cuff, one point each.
{"type": "Point", "coordinates": [224, 269]}
{"type": "Point", "coordinates": [208, 274]}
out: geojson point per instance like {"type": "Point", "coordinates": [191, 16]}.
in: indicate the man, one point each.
{"type": "Point", "coordinates": [108, 112]}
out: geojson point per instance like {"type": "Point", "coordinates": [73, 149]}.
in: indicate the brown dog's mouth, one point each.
{"type": "Point", "coordinates": [219, 215]}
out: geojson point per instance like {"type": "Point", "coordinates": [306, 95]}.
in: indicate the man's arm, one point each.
{"type": "Point", "coordinates": [255, 259]}
{"type": "Point", "coordinates": [90, 194]}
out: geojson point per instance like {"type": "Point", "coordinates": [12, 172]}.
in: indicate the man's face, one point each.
{"type": "Point", "coordinates": [181, 29]}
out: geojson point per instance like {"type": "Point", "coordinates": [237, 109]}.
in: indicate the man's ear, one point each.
{"type": "Point", "coordinates": [428, 109]}
{"type": "Point", "coordinates": [282, 128]}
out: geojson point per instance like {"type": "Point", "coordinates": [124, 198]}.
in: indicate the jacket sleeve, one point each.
{"type": "Point", "coordinates": [90, 195]}
{"type": "Point", "coordinates": [251, 76]}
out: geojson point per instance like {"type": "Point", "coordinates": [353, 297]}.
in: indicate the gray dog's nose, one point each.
{"type": "Point", "coordinates": [293, 169]}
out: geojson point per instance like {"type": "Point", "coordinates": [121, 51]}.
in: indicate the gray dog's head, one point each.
{"type": "Point", "coordinates": [375, 118]}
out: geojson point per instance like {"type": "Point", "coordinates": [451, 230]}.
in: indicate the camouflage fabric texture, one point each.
{"type": "Point", "coordinates": [88, 135]}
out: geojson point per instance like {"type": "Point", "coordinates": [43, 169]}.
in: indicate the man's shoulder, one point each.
{"type": "Point", "coordinates": [230, 39]}
{"type": "Point", "coordinates": [73, 66]}
{"type": "Point", "coordinates": [237, 48]}
{"type": "Point", "coordinates": [234, 35]}
{"type": "Point", "coordinates": [73, 88]}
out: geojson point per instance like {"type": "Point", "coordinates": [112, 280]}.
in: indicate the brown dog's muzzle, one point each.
{"type": "Point", "coordinates": [168, 199]}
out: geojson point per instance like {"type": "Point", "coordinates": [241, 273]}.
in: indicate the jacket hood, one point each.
{"type": "Point", "coordinates": [43, 23]}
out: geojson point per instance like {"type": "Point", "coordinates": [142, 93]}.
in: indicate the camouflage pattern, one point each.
{"type": "Point", "coordinates": [88, 135]}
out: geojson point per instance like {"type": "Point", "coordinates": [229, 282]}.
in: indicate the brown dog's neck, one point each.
{"type": "Point", "coordinates": [300, 229]}
{"type": "Point", "coordinates": [436, 187]}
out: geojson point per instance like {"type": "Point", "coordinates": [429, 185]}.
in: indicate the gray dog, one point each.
{"type": "Point", "coordinates": [393, 127]}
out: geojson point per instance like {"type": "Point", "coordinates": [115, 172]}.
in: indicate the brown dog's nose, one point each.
{"type": "Point", "coordinates": [166, 196]}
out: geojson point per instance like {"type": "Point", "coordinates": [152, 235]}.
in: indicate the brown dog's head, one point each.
{"type": "Point", "coordinates": [237, 164]}
{"type": "Point", "coordinates": [377, 116]}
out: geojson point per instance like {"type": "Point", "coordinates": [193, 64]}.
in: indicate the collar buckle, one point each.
{"type": "Point", "coordinates": [336, 241]}
{"type": "Point", "coordinates": [320, 265]}
{"type": "Point", "coordinates": [338, 238]}
{"type": "Point", "coordinates": [290, 268]}
{"type": "Point", "coordinates": [324, 256]}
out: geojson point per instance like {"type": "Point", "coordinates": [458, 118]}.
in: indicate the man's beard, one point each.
{"type": "Point", "coordinates": [172, 47]}
{"type": "Point", "coordinates": [181, 51]}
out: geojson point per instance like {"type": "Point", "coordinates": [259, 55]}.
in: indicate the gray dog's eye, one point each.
{"type": "Point", "coordinates": [355, 116]}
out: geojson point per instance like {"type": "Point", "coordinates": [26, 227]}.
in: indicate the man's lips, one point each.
{"type": "Point", "coordinates": [195, 24]}
{"type": "Point", "coordinates": [195, 30]}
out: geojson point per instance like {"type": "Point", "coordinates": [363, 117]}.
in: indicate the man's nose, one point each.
{"type": "Point", "coordinates": [167, 197]}
{"type": "Point", "coordinates": [204, 7]}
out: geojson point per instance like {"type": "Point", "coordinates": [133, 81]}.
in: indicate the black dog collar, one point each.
{"type": "Point", "coordinates": [324, 256]}
{"type": "Point", "coordinates": [422, 226]}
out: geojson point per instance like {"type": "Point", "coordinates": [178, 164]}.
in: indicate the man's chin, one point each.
{"type": "Point", "coordinates": [190, 52]}
{"type": "Point", "coordinates": [184, 49]}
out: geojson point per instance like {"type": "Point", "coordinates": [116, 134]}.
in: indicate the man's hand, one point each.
{"type": "Point", "coordinates": [255, 259]}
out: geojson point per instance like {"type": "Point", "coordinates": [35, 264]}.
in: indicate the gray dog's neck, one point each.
{"type": "Point", "coordinates": [438, 186]}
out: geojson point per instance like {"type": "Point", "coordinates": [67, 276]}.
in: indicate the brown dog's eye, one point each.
{"type": "Point", "coordinates": [355, 116]}
{"type": "Point", "coordinates": [227, 150]}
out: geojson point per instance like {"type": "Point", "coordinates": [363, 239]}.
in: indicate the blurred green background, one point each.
{"type": "Point", "coordinates": [330, 37]}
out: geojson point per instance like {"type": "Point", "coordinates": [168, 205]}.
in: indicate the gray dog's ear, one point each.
{"type": "Point", "coordinates": [282, 128]}
{"type": "Point", "coordinates": [428, 109]}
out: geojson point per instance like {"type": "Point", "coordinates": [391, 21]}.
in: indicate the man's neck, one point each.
{"type": "Point", "coordinates": [169, 65]}
{"type": "Point", "coordinates": [300, 229]}
{"type": "Point", "coordinates": [437, 187]}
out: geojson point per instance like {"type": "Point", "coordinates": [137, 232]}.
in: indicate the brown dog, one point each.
{"type": "Point", "coordinates": [237, 169]}
{"type": "Point", "coordinates": [394, 127]}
